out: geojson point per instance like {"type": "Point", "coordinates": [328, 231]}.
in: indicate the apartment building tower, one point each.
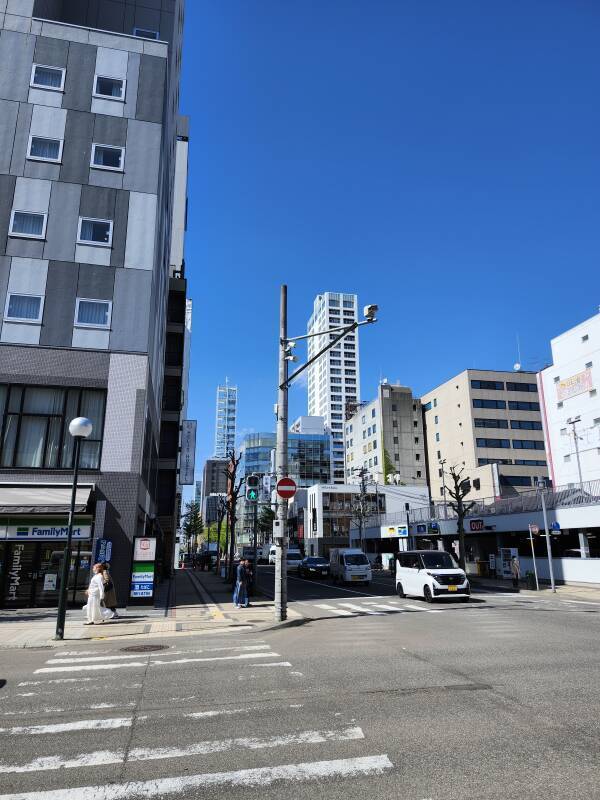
{"type": "Point", "coordinates": [488, 422]}
{"type": "Point", "coordinates": [226, 420]}
{"type": "Point", "coordinates": [334, 379]}
{"type": "Point", "coordinates": [384, 439]}
{"type": "Point", "coordinates": [89, 125]}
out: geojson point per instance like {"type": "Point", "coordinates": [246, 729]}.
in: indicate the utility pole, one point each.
{"type": "Point", "coordinates": [286, 345]}
{"type": "Point", "coordinates": [281, 464]}
{"type": "Point", "coordinates": [542, 488]}
{"type": "Point", "coordinates": [441, 462]}
{"type": "Point", "coordinates": [572, 421]}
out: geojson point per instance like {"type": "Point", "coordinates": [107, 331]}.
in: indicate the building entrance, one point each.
{"type": "Point", "coordinates": [30, 573]}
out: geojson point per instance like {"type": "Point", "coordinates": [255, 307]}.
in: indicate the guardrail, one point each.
{"type": "Point", "coordinates": [585, 494]}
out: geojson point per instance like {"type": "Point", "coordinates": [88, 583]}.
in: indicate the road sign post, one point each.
{"type": "Point", "coordinates": [286, 488]}
{"type": "Point", "coordinates": [542, 489]}
{"type": "Point", "coordinates": [533, 528]}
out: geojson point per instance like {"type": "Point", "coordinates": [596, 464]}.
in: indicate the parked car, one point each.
{"type": "Point", "coordinates": [349, 565]}
{"type": "Point", "coordinates": [272, 554]}
{"type": "Point", "coordinates": [294, 557]}
{"type": "Point", "coordinates": [430, 574]}
{"type": "Point", "coordinates": [313, 567]}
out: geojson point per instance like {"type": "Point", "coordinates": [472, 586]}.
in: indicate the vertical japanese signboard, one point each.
{"type": "Point", "coordinates": [142, 573]}
{"type": "Point", "coordinates": [187, 458]}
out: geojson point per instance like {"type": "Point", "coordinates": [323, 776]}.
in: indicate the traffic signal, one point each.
{"type": "Point", "coordinates": [252, 486]}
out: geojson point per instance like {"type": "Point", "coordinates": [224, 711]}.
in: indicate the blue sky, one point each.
{"type": "Point", "coordinates": [441, 159]}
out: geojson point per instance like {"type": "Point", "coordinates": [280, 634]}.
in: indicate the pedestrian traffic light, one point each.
{"type": "Point", "coordinates": [252, 486]}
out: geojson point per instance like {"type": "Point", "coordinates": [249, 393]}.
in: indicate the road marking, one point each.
{"type": "Point", "coordinates": [397, 609]}
{"type": "Point", "coordinates": [56, 680]}
{"type": "Point", "coordinates": [350, 733]}
{"type": "Point", "coordinates": [220, 712]}
{"type": "Point", "coordinates": [65, 727]}
{"type": "Point", "coordinates": [361, 609]}
{"type": "Point", "coordinates": [88, 659]}
{"type": "Point", "coordinates": [581, 602]}
{"type": "Point", "coordinates": [273, 664]}
{"type": "Point", "coordinates": [261, 776]}
{"type": "Point", "coordinates": [426, 610]}
{"type": "Point", "coordinates": [152, 662]}
{"type": "Point", "coordinates": [341, 611]}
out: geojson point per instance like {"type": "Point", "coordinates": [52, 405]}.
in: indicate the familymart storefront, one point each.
{"type": "Point", "coordinates": [33, 531]}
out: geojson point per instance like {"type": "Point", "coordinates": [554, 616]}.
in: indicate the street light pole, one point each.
{"type": "Point", "coordinates": [572, 421]}
{"type": "Point", "coordinates": [281, 464]}
{"type": "Point", "coordinates": [542, 488]}
{"type": "Point", "coordinates": [79, 428]}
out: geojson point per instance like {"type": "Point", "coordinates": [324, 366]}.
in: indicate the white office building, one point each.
{"type": "Point", "coordinates": [226, 420]}
{"type": "Point", "coordinates": [334, 379]}
{"type": "Point", "coordinates": [571, 405]}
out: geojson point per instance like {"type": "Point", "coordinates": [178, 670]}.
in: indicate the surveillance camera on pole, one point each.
{"type": "Point", "coordinates": [369, 312]}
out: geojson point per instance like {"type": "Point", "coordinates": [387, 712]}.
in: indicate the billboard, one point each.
{"type": "Point", "coordinates": [393, 531]}
{"type": "Point", "coordinates": [187, 458]}
{"type": "Point", "coordinates": [576, 384]}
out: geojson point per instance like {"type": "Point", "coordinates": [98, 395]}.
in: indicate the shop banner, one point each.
{"type": "Point", "coordinates": [142, 580]}
{"type": "Point", "coordinates": [187, 457]}
{"type": "Point", "coordinates": [576, 384]}
{"type": "Point", "coordinates": [393, 531]}
{"type": "Point", "coordinates": [144, 549]}
{"type": "Point", "coordinates": [40, 530]}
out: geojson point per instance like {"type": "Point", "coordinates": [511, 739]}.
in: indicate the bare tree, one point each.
{"type": "Point", "coordinates": [458, 491]}
{"type": "Point", "coordinates": [221, 512]}
{"type": "Point", "coordinates": [362, 506]}
{"type": "Point", "coordinates": [234, 486]}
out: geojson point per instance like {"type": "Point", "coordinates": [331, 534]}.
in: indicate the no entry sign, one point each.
{"type": "Point", "coordinates": [286, 488]}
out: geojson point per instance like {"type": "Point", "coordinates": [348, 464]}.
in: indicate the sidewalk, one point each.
{"type": "Point", "coordinates": [569, 591]}
{"type": "Point", "coordinates": [193, 603]}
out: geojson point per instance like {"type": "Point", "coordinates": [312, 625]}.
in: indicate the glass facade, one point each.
{"type": "Point", "coordinates": [226, 418]}
{"type": "Point", "coordinates": [34, 426]}
{"type": "Point", "coordinates": [309, 456]}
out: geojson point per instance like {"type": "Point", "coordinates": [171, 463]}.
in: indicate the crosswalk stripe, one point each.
{"type": "Point", "coordinates": [397, 609]}
{"type": "Point", "coordinates": [88, 659]}
{"type": "Point", "coordinates": [153, 662]}
{"type": "Point", "coordinates": [64, 727]}
{"type": "Point", "coordinates": [362, 609]}
{"type": "Point", "coordinates": [426, 610]}
{"type": "Point", "coordinates": [261, 776]}
{"type": "Point", "coordinates": [48, 763]}
{"type": "Point", "coordinates": [340, 611]}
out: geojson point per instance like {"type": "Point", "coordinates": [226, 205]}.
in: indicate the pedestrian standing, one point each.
{"type": "Point", "coordinates": [95, 593]}
{"type": "Point", "coordinates": [249, 581]}
{"type": "Point", "coordinates": [515, 568]}
{"type": "Point", "coordinates": [240, 595]}
{"type": "Point", "coordinates": [110, 596]}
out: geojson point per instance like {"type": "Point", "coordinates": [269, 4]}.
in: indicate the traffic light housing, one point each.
{"type": "Point", "coordinates": [252, 487]}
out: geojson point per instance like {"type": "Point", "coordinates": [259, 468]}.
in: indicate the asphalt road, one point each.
{"type": "Point", "coordinates": [383, 698]}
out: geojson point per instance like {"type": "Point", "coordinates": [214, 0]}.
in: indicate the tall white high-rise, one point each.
{"type": "Point", "coordinates": [225, 424]}
{"type": "Point", "coordinates": [334, 379]}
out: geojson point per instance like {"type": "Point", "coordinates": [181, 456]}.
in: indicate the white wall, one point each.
{"type": "Point", "coordinates": [571, 355]}
{"type": "Point", "coordinates": [566, 570]}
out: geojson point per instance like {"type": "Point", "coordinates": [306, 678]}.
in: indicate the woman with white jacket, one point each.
{"type": "Point", "coordinates": [94, 611]}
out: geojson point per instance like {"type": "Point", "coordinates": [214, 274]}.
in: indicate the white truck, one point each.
{"type": "Point", "coordinates": [349, 565]}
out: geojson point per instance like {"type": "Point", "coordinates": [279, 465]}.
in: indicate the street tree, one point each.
{"type": "Point", "coordinates": [234, 487]}
{"type": "Point", "coordinates": [458, 490]}
{"type": "Point", "coordinates": [193, 524]}
{"type": "Point", "coordinates": [362, 507]}
{"type": "Point", "coordinates": [265, 520]}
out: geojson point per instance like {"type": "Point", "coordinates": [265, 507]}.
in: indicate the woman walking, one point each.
{"type": "Point", "coordinates": [110, 596]}
{"type": "Point", "coordinates": [95, 592]}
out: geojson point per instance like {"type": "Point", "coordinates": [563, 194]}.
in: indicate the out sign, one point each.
{"type": "Point", "coordinates": [476, 525]}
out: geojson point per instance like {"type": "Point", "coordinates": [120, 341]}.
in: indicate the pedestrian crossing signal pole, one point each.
{"type": "Point", "coordinates": [252, 486]}
{"type": "Point", "coordinates": [281, 465]}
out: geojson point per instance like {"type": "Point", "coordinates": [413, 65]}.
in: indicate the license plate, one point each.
{"type": "Point", "coordinates": [452, 588]}
{"type": "Point", "coordinates": [357, 578]}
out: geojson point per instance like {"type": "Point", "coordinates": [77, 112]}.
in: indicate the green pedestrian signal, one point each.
{"type": "Point", "coordinates": [252, 487]}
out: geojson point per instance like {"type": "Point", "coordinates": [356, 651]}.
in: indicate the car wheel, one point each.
{"type": "Point", "coordinates": [427, 594]}
{"type": "Point", "coordinates": [465, 599]}
{"type": "Point", "coordinates": [400, 590]}
{"type": "Point", "coordinates": [367, 583]}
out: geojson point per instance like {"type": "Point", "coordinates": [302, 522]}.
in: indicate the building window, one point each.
{"type": "Point", "coordinates": [418, 473]}
{"type": "Point", "coordinates": [27, 225]}
{"type": "Point", "coordinates": [589, 365]}
{"type": "Point", "coordinates": [105, 156]}
{"type": "Point", "coordinates": [516, 480]}
{"type": "Point", "coordinates": [585, 338]}
{"type": "Point", "coordinates": [417, 456]}
{"type": "Point", "coordinates": [436, 419]}
{"type": "Point", "coordinates": [493, 442]}
{"type": "Point", "coordinates": [437, 437]}
{"type": "Point", "coordinates": [396, 457]}
{"type": "Point", "coordinates": [372, 412]}
{"type": "Point", "coordinates": [481, 462]}
{"type": "Point", "coordinates": [42, 149]}
{"type": "Point", "coordinates": [490, 423]}
{"type": "Point", "coordinates": [92, 313]}
{"type": "Point", "coordinates": [109, 88]}
{"type": "Point", "coordinates": [374, 428]}
{"type": "Point", "coordinates": [496, 386]}
{"type": "Point", "coordinates": [35, 421]}
{"type": "Point", "coordinates": [559, 405]}
{"type": "Point", "coordinates": [374, 461]}
{"type": "Point", "coordinates": [434, 402]}
{"type": "Point", "coordinates": [24, 307]}
{"type": "Point", "coordinates": [144, 33]}
{"type": "Point", "coordinates": [489, 403]}
{"type": "Point", "coordinates": [43, 77]}
{"type": "Point", "coordinates": [530, 462]}
{"type": "Point", "coordinates": [95, 231]}
{"type": "Point", "coordinates": [521, 387]}
{"type": "Point", "coordinates": [523, 405]}
{"type": "Point", "coordinates": [368, 431]}
{"type": "Point", "coordinates": [395, 440]}
{"type": "Point", "coordinates": [416, 440]}
{"type": "Point", "coordinates": [526, 424]}
{"type": "Point", "coordinates": [527, 444]}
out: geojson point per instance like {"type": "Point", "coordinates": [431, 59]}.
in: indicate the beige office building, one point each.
{"type": "Point", "coordinates": [384, 438]}
{"type": "Point", "coordinates": [488, 422]}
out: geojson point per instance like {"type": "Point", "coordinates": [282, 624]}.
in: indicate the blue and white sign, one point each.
{"type": "Point", "coordinates": [422, 527]}
{"type": "Point", "coordinates": [555, 526]}
{"type": "Point", "coordinates": [46, 531]}
{"type": "Point", "coordinates": [102, 550]}
{"type": "Point", "coordinates": [393, 531]}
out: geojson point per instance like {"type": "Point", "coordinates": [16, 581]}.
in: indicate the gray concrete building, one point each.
{"type": "Point", "coordinates": [214, 482]}
{"type": "Point", "coordinates": [384, 439]}
{"type": "Point", "coordinates": [89, 97]}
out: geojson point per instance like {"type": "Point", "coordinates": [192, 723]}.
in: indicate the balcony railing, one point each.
{"type": "Point", "coordinates": [586, 494]}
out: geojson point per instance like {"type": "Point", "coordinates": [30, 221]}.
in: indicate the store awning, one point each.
{"type": "Point", "coordinates": [36, 498]}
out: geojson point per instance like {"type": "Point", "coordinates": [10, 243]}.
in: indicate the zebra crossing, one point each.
{"type": "Point", "coordinates": [376, 607]}
{"type": "Point", "coordinates": [60, 752]}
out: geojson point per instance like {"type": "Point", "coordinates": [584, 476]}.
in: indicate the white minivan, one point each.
{"type": "Point", "coordinates": [430, 574]}
{"type": "Point", "coordinates": [349, 565]}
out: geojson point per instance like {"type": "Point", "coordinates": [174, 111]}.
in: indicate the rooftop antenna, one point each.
{"type": "Point", "coordinates": [517, 364]}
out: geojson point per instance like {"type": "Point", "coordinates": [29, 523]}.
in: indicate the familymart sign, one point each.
{"type": "Point", "coordinates": [37, 531]}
